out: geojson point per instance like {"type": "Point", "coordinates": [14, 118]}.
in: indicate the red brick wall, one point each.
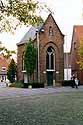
{"type": "Point", "coordinates": [56, 41]}
{"type": "Point", "coordinates": [74, 56]}
{"type": "Point", "coordinates": [19, 62]}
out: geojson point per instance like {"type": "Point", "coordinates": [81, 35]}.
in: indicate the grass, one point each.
{"type": "Point", "coordinates": [52, 109]}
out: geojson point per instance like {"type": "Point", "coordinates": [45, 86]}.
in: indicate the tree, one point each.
{"type": "Point", "coordinates": [20, 11]}
{"type": "Point", "coordinates": [80, 54]}
{"type": "Point", "coordinates": [7, 53]}
{"type": "Point", "coordinates": [24, 12]}
{"type": "Point", "coordinates": [11, 73]}
{"type": "Point", "coordinates": [30, 58]}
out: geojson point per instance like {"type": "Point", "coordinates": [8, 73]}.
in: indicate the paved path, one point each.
{"type": "Point", "coordinates": [27, 106]}
{"type": "Point", "coordinates": [2, 84]}
{"type": "Point", "coordinates": [20, 92]}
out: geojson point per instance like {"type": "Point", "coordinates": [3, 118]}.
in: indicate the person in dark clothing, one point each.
{"type": "Point", "coordinates": [72, 82]}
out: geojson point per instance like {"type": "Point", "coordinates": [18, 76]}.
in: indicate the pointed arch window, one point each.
{"type": "Point", "coordinates": [50, 58]}
{"type": "Point", "coordinates": [50, 31]}
{"type": "Point", "coordinates": [23, 67]}
{"type": "Point", "coordinates": [74, 45]}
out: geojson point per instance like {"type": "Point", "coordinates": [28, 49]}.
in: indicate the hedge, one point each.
{"type": "Point", "coordinates": [66, 83]}
{"type": "Point", "coordinates": [17, 85]}
{"type": "Point", "coordinates": [34, 85]}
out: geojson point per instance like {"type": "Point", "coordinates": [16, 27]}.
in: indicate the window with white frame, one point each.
{"type": "Point", "coordinates": [3, 68]}
{"type": "Point", "coordinates": [50, 58]}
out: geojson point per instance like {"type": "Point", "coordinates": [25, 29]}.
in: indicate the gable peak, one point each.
{"type": "Point", "coordinates": [50, 15]}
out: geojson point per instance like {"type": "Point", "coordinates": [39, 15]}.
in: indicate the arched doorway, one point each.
{"type": "Point", "coordinates": [50, 65]}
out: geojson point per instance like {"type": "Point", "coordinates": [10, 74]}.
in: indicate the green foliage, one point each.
{"type": "Point", "coordinates": [24, 12]}
{"type": "Point", "coordinates": [11, 73]}
{"type": "Point", "coordinates": [66, 83]}
{"type": "Point", "coordinates": [17, 85]}
{"type": "Point", "coordinates": [34, 85]}
{"type": "Point", "coordinates": [7, 53]}
{"type": "Point", "coordinates": [80, 54]}
{"type": "Point", "coordinates": [30, 57]}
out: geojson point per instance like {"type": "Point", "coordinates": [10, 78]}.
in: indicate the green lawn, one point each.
{"type": "Point", "coordinates": [52, 109]}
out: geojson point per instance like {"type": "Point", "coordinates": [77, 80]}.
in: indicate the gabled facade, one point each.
{"type": "Point", "coordinates": [3, 68]}
{"type": "Point", "coordinates": [77, 36]}
{"type": "Point", "coordinates": [50, 57]}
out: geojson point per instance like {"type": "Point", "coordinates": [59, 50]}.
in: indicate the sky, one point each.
{"type": "Point", "coordinates": [67, 13]}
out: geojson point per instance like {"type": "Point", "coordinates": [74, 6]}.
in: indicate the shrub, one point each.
{"type": "Point", "coordinates": [66, 83]}
{"type": "Point", "coordinates": [25, 85]}
{"type": "Point", "coordinates": [11, 73]}
{"type": "Point", "coordinates": [34, 85]}
{"type": "Point", "coordinates": [17, 85]}
{"type": "Point", "coordinates": [30, 58]}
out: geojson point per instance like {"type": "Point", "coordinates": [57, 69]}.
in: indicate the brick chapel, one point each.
{"type": "Point", "coordinates": [49, 40]}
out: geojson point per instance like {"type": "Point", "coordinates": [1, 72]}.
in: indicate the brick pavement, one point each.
{"type": "Point", "coordinates": [8, 92]}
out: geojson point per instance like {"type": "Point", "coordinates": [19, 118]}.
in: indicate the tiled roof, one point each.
{"type": "Point", "coordinates": [30, 34]}
{"type": "Point", "coordinates": [3, 63]}
{"type": "Point", "coordinates": [78, 29]}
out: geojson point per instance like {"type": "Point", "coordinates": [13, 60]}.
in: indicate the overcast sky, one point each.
{"type": "Point", "coordinates": [66, 13]}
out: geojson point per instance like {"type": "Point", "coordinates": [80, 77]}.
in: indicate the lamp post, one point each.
{"type": "Point", "coordinates": [37, 33]}
{"type": "Point", "coordinates": [67, 57]}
